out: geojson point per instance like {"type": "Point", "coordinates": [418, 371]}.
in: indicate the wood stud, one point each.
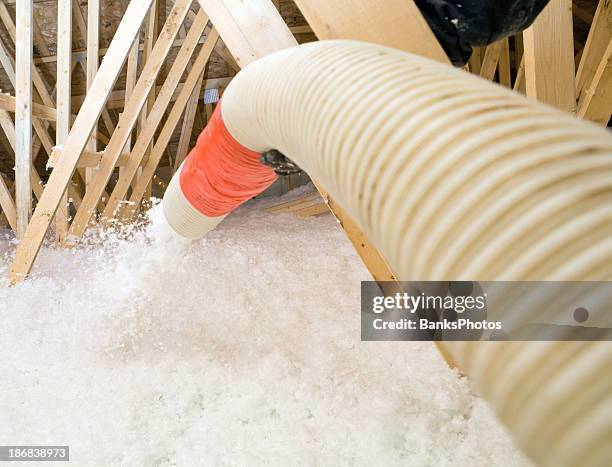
{"type": "Point", "coordinates": [549, 57]}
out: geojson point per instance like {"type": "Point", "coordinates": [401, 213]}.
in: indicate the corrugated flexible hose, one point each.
{"type": "Point", "coordinates": [452, 178]}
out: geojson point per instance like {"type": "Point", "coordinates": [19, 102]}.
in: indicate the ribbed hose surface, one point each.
{"type": "Point", "coordinates": [182, 216]}
{"type": "Point", "coordinates": [455, 178]}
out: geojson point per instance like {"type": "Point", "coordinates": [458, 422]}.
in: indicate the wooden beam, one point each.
{"type": "Point", "coordinates": [490, 60]}
{"type": "Point", "coordinates": [150, 35]}
{"type": "Point", "coordinates": [23, 114]}
{"type": "Point", "coordinates": [305, 29]}
{"type": "Point", "coordinates": [209, 109]}
{"type": "Point", "coordinates": [81, 24]}
{"type": "Point", "coordinates": [596, 101]}
{"type": "Point", "coordinates": [79, 55]}
{"type": "Point", "coordinates": [518, 48]}
{"type": "Point", "coordinates": [89, 66]}
{"type": "Point", "coordinates": [549, 57]}
{"type": "Point", "coordinates": [505, 77]}
{"type": "Point", "coordinates": [192, 107]}
{"type": "Point", "coordinates": [374, 261]}
{"type": "Point", "coordinates": [116, 99]}
{"type": "Point", "coordinates": [8, 126]}
{"type": "Point", "coordinates": [187, 125]}
{"type": "Point", "coordinates": [225, 54]}
{"type": "Point", "coordinates": [246, 37]}
{"type": "Point", "coordinates": [169, 126]}
{"type": "Point", "coordinates": [128, 117]}
{"type": "Point", "coordinates": [475, 61]}
{"type": "Point", "coordinates": [155, 116]}
{"type": "Point", "coordinates": [40, 127]}
{"type": "Point", "coordinates": [64, 90]}
{"type": "Point", "coordinates": [9, 130]}
{"type": "Point", "coordinates": [295, 204]}
{"type": "Point", "coordinates": [93, 51]}
{"type": "Point", "coordinates": [87, 159]}
{"type": "Point", "coordinates": [593, 55]}
{"type": "Point", "coordinates": [7, 62]}
{"type": "Point", "coordinates": [314, 210]}
{"type": "Point", "coordinates": [130, 83]}
{"type": "Point", "coordinates": [39, 40]}
{"type": "Point", "coordinates": [519, 83]}
{"type": "Point", "coordinates": [78, 137]}
{"type": "Point", "coordinates": [9, 103]}
{"type": "Point", "coordinates": [583, 15]}
{"type": "Point", "coordinates": [7, 204]}
{"type": "Point", "coordinates": [392, 23]}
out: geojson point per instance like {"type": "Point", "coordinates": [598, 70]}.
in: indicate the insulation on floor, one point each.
{"type": "Point", "coordinates": [242, 348]}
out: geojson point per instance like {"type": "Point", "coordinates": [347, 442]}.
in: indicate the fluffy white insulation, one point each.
{"type": "Point", "coordinates": [239, 349]}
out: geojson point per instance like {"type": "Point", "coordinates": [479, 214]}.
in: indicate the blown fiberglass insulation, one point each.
{"type": "Point", "coordinates": [239, 349]}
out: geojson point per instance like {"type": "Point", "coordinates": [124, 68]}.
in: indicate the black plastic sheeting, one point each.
{"type": "Point", "coordinates": [460, 25]}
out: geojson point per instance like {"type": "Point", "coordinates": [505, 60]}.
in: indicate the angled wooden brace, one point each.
{"type": "Point", "coordinates": [594, 77]}
{"type": "Point", "coordinates": [7, 204]}
{"type": "Point", "coordinates": [596, 102]}
{"type": "Point", "coordinates": [504, 64]}
{"type": "Point", "coordinates": [491, 59]}
{"type": "Point", "coordinates": [597, 42]}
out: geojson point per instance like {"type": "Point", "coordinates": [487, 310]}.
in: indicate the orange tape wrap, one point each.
{"type": "Point", "coordinates": [220, 174]}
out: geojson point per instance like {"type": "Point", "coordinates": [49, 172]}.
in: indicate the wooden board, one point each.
{"type": "Point", "coordinates": [593, 86]}
{"type": "Point", "coordinates": [596, 101]}
{"type": "Point", "coordinates": [23, 114]}
{"type": "Point", "coordinates": [250, 28]}
{"type": "Point", "coordinates": [64, 72]}
{"type": "Point", "coordinates": [392, 23]}
{"type": "Point", "coordinates": [491, 60]}
{"type": "Point", "coordinates": [599, 37]}
{"type": "Point", "coordinates": [295, 204]}
{"type": "Point", "coordinates": [549, 57]}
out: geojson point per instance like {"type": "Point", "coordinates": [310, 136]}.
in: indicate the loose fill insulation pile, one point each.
{"type": "Point", "coordinates": [239, 349]}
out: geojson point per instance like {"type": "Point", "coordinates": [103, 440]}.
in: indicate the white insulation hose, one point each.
{"type": "Point", "coordinates": [186, 220]}
{"type": "Point", "coordinates": [455, 178]}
